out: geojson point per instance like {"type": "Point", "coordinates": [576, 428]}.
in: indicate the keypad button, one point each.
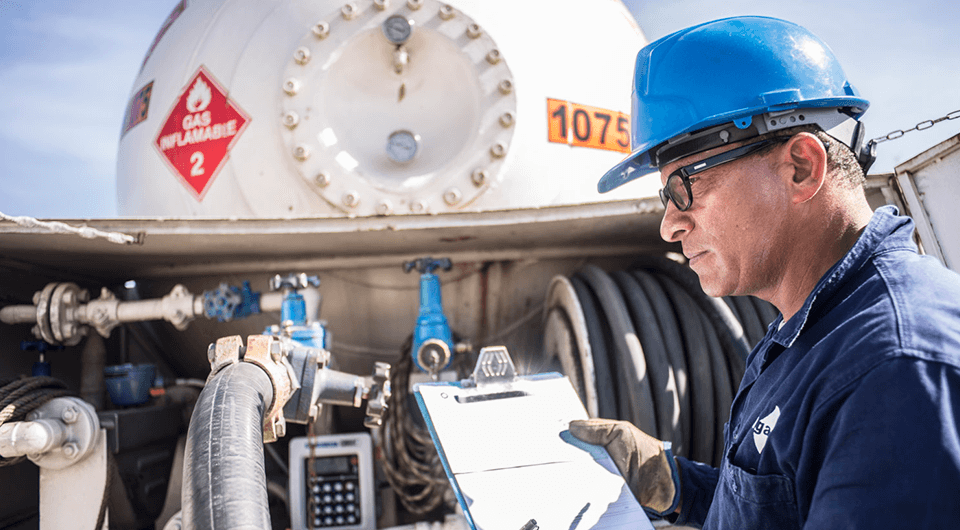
{"type": "Point", "coordinates": [327, 499]}
{"type": "Point", "coordinates": [339, 508]}
{"type": "Point", "coordinates": [338, 497]}
{"type": "Point", "coordinates": [338, 486]}
{"type": "Point", "coordinates": [351, 519]}
{"type": "Point", "coordinates": [328, 520]}
{"type": "Point", "coordinates": [328, 509]}
{"type": "Point", "coordinates": [350, 486]}
{"type": "Point", "coordinates": [350, 507]}
{"type": "Point", "coordinates": [327, 487]}
{"type": "Point", "coordinates": [317, 522]}
{"type": "Point", "coordinates": [340, 519]}
{"type": "Point", "coordinates": [350, 497]}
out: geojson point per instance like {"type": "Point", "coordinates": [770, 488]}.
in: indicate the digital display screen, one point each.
{"type": "Point", "coordinates": [331, 465]}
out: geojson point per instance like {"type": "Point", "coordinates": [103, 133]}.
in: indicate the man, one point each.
{"type": "Point", "coordinates": [847, 415]}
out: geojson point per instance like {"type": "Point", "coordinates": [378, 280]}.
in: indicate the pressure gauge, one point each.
{"type": "Point", "coordinates": [397, 29]}
{"type": "Point", "coordinates": [402, 146]}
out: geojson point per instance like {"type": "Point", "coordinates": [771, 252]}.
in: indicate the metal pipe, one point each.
{"type": "Point", "coordinates": [18, 314]}
{"type": "Point", "coordinates": [22, 438]}
{"type": "Point", "coordinates": [92, 357]}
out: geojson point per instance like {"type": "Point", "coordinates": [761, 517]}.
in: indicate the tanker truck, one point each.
{"type": "Point", "coordinates": [325, 203]}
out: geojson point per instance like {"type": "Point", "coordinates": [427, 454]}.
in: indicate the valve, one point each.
{"type": "Point", "coordinates": [432, 348]}
{"type": "Point", "coordinates": [293, 311]}
{"type": "Point", "coordinates": [302, 380]}
{"type": "Point", "coordinates": [227, 302]}
{"type": "Point", "coordinates": [41, 367]}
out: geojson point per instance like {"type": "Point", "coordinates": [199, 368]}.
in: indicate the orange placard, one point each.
{"type": "Point", "coordinates": [586, 126]}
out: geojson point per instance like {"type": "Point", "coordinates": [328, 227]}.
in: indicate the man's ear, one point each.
{"type": "Point", "coordinates": [805, 155]}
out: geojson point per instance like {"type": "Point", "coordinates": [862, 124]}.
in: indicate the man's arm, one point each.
{"type": "Point", "coordinates": [698, 482]}
{"type": "Point", "coordinates": [891, 457]}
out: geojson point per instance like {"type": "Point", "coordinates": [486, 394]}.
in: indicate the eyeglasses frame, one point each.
{"type": "Point", "coordinates": [685, 172]}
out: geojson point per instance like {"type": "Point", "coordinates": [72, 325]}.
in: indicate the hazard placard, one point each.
{"type": "Point", "coordinates": [199, 132]}
{"type": "Point", "coordinates": [586, 126]}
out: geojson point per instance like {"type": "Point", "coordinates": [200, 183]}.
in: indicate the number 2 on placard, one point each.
{"type": "Point", "coordinates": [197, 159]}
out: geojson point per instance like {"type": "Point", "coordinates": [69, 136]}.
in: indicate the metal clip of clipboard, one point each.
{"type": "Point", "coordinates": [494, 377]}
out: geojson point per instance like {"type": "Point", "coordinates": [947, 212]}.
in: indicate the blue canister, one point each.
{"type": "Point", "coordinates": [129, 384]}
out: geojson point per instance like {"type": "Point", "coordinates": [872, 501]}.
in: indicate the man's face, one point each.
{"type": "Point", "coordinates": [733, 233]}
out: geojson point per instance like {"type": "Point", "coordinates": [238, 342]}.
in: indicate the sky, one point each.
{"type": "Point", "coordinates": [67, 69]}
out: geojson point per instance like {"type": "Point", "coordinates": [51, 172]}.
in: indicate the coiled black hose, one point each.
{"type": "Point", "coordinates": [703, 382]}
{"type": "Point", "coordinates": [224, 480]}
{"type": "Point", "coordinates": [693, 349]}
{"type": "Point", "coordinates": [635, 394]}
{"type": "Point", "coordinates": [663, 316]}
{"type": "Point", "coordinates": [606, 391]}
{"type": "Point", "coordinates": [663, 379]}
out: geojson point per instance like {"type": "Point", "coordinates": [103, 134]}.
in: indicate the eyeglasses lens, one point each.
{"type": "Point", "coordinates": [678, 192]}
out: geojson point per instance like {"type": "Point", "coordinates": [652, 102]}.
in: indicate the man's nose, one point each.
{"type": "Point", "coordinates": [674, 224]}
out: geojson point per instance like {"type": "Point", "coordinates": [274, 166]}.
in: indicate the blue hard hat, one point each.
{"type": "Point", "coordinates": [727, 72]}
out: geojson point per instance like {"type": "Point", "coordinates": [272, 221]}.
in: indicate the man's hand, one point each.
{"type": "Point", "coordinates": [642, 460]}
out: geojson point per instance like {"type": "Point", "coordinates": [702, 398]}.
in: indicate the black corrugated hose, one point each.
{"type": "Point", "coordinates": [693, 349]}
{"type": "Point", "coordinates": [224, 480]}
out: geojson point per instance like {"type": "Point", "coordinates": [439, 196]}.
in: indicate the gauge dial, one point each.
{"type": "Point", "coordinates": [397, 29]}
{"type": "Point", "coordinates": [402, 146]}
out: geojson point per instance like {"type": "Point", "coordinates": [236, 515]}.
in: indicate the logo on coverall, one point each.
{"type": "Point", "coordinates": [763, 427]}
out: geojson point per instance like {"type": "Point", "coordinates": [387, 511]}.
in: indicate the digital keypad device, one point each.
{"type": "Point", "coordinates": [331, 482]}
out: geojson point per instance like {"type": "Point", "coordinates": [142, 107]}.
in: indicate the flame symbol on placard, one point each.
{"type": "Point", "coordinates": [199, 96]}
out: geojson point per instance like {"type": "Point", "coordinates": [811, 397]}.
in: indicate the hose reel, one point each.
{"type": "Point", "coordinates": [647, 345]}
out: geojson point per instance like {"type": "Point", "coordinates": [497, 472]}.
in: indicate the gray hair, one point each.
{"type": "Point", "coordinates": [840, 159]}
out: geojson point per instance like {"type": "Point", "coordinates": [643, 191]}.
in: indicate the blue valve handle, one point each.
{"type": "Point", "coordinates": [226, 302]}
{"type": "Point", "coordinates": [41, 367]}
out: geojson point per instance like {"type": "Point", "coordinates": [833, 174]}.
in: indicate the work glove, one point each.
{"type": "Point", "coordinates": [646, 463]}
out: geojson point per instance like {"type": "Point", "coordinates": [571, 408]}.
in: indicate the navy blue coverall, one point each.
{"type": "Point", "coordinates": [847, 415]}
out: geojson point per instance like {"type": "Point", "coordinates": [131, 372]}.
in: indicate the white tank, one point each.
{"type": "Point", "coordinates": [246, 108]}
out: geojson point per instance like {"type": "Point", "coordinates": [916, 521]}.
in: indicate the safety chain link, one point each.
{"type": "Point", "coordinates": [926, 124]}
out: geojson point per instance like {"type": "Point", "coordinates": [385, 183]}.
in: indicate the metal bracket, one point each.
{"type": "Point", "coordinates": [267, 352]}
{"type": "Point", "coordinates": [494, 366]}
{"type": "Point", "coordinates": [226, 351]}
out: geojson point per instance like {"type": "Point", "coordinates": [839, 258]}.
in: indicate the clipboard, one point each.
{"type": "Point", "coordinates": [507, 451]}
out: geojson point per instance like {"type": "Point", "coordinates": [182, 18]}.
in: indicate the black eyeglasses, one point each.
{"type": "Point", "coordinates": [678, 183]}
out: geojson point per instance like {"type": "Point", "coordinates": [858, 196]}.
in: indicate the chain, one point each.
{"type": "Point", "coordinates": [926, 124]}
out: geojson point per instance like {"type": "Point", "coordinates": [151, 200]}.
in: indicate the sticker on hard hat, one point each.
{"type": "Point", "coordinates": [137, 108]}
{"type": "Point", "coordinates": [585, 126]}
{"type": "Point", "coordinates": [202, 127]}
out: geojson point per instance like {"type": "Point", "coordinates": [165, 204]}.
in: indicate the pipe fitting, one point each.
{"type": "Point", "coordinates": [58, 434]}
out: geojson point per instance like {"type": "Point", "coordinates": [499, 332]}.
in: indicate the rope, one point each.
{"type": "Point", "coordinates": [19, 397]}
{"type": "Point", "coordinates": [62, 228]}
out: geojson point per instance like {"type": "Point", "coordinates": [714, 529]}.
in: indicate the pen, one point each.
{"type": "Point", "coordinates": [531, 525]}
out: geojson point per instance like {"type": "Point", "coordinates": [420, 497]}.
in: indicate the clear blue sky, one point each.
{"type": "Point", "coordinates": [67, 67]}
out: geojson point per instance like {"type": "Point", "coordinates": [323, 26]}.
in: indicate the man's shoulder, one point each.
{"type": "Point", "coordinates": [900, 304]}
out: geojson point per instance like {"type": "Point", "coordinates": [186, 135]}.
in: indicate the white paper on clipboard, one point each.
{"type": "Point", "coordinates": [511, 458]}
